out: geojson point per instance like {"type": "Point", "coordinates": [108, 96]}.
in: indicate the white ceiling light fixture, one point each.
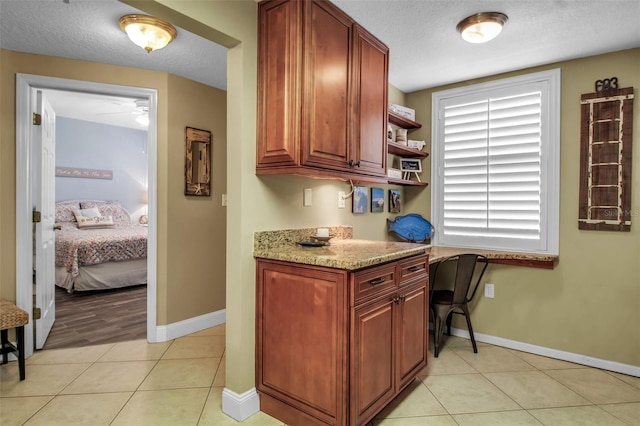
{"type": "Point", "coordinates": [482, 27]}
{"type": "Point", "coordinates": [142, 110]}
{"type": "Point", "coordinates": [148, 32]}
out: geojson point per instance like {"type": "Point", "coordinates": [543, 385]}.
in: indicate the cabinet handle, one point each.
{"type": "Point", "coordinates": [352, 164]}
{"type": "Point", "coordinates": [377, 281]}
{"type": "Point", "coordinates": [396, 300]}
{"type": "Point", "coordinates": [403, 297]}
{"type": "Point", "coordinates": [414, 269]}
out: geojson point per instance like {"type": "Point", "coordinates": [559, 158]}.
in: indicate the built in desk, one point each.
{"type": "Point", "coordinates": [533, 260]}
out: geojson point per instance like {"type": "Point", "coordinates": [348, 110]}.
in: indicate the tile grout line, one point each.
{"type": "Point", "coordinates": [141, 382]}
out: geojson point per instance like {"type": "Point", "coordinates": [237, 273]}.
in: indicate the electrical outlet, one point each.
{"type": "Point", "coordinates": [341, 199]}
{"type": "Point", "coordinates": [488, 290]}
{"type": "Point", "coordinates": [224, 200]}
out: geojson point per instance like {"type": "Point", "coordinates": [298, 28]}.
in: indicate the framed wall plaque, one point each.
{"type": "Point", "coordinates": [197, 163]}
{"type": "Point", "coordinates": [605, 160]}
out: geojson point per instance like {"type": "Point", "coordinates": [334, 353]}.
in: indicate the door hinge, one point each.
{"type": "Point", "coordinates": [37, 119]}
{"type": "Point", "coordinates": [37, 313]}
{"type": "Point", "coordinates": [37, 217]}
{"type": "Point", "coordinates": [34, 276]}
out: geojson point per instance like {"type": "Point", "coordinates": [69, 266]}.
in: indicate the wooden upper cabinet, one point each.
{"type": "Point", "coordinates": [370, 101]}
{"type": "Point", "coordinates": [279, 71]}
{"type": "Point", "coordinates": [325, 108]}
{"type": "Point", "coordinates": [322, 93]}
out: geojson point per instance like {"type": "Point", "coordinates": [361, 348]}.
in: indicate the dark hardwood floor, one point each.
{"type": "Point", "coordinates": [87, 318]}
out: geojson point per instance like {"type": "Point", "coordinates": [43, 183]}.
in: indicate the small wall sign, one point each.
{"type": "Point", "coordinates": [83, 173]}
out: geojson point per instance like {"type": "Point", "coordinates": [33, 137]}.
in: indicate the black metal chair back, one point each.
{"type": "Point", "coordinates": [444, 303]}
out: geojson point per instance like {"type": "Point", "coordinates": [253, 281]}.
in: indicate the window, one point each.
{"type": "Point", "coordinates": [496, 156]}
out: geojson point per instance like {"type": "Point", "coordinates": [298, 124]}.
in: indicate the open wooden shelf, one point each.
{"type": "Point", "coordinates": [403, 122]}
{"type": "Point", "coordinates": [394, 181]}
{"type": "Point", "coordinates": [404, 151]}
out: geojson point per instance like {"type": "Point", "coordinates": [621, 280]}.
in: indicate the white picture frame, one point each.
{"type": "Point", "coordinates": [413, 165]}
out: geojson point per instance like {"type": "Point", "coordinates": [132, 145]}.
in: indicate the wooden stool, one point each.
{"type": "Point", "coordinates": [13, 317]}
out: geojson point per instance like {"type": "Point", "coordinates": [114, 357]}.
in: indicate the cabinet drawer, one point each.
{"type": "Point", "coordinates": [413, 268]}
{"type": "Point", "coordinates": [373, 281]}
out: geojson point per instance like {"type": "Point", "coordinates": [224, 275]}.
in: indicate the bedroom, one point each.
{"type": "Point", "coordinates": [100, 167]}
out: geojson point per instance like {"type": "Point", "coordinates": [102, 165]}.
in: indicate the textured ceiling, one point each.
{"type": "Point", "coordinates": [88, 30]}
{"type": "Point", "coordinates": [425, 49]}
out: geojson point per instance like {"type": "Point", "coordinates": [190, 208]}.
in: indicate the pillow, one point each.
{"type": "Point", "coordinates": [64, 211]}
{"type": "Point", "coordinates": [92, 212]}
{"type": "Point", "coordinates": [95, 222]}
{"type": "Point", "coordinates": [109, 208]}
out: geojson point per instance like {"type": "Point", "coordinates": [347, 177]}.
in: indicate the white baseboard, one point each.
{"type": "Point", "coordinates": [191, 325]}
{"type": "Point", "coordinates": [603, 364]}
{"type": "Point", "coordinates": [240, 406]}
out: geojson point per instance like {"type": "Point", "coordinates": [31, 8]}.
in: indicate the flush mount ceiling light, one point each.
{"type": "Point", "coordinates": [482, 27]}
{"type": "Point", "coordinates": [148, 32]}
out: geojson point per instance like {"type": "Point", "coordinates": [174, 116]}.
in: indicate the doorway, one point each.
{"type": "Point", "coordinates": [26, 87]}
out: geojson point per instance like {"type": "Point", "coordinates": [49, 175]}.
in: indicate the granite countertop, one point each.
{"type": "Point", "coordinates": [437, 253]}
{"type": "Point", "coordinates": [341, 253]}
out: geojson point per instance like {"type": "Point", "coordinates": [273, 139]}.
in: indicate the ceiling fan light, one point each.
{"type": "Point", "coordinates": [148, 32]}
{"type": "Point", "coordinates": [482, 27]}
{"type": "Point", "coordinates": [143, 120]}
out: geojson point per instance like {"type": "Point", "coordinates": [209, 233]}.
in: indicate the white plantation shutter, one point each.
{"type": "Point", "coordinates": [492, 171]}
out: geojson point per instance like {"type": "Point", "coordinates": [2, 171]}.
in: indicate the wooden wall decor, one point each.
{"type": "Point", "coordinates": [605, 160]}
{"type": "Point", "coordinates": [197, 162]}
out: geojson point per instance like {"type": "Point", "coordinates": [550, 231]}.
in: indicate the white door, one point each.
{"type": "Point", "coordinates": [44, 136]}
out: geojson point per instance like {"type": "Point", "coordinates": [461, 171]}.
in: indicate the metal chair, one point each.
{"type": "Point", "coordinates": [444, 303]}
{"type": "Point", "coordinates": [12, 317]}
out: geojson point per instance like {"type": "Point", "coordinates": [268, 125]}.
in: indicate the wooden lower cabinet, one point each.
{"type": "Point", "coordinates": [330, 353]}
{"type": "Point", "coordinates": [373, 353]}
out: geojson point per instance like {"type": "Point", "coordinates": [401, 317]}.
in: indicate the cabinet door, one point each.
{"type": "Point", "coordinates": [325, 108]}
{"type": "Point", "coordinates": [412, 332]}
{"type": "Point", "coordinates": [372, 359]}
{"type": "Point", "coordinates": [369, 94]}
{"type": "Point", "coordinates": [301, 338]}
{"type": "Point", "coordinates": [279, 47]}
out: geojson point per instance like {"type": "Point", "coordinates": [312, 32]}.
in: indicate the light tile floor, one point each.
{"type": "Point", "coordinates": [180, 383]}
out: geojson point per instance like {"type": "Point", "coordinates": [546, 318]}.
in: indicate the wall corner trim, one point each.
{"type": "Point", "coordinates": [191, 325]}
{"type": "Point", "coordinates": [240, 406]}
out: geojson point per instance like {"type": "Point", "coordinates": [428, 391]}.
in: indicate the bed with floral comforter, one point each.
{"type": "Point", "coordinates": [100, 257]}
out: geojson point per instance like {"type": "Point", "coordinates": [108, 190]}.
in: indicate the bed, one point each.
{"type": "Point", "coordinates": [98, 247]}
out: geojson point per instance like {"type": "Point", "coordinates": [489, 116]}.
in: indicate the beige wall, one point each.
{"type": "Point", "coordinates": [191, 272]}
{"type": "Point", "coordinates": [196, 230]}
{"type": "Point", "coordinates": [590, 303]}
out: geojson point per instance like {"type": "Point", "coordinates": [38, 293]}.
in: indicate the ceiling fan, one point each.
{"type": "Point", "coordinates": [137, 107]}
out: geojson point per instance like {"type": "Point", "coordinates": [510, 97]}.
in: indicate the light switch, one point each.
{"type": "Point", "coordinates": [307, 197]}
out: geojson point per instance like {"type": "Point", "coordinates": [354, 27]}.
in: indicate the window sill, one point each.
{"type": "Point", "coordinates": [531, 260]}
